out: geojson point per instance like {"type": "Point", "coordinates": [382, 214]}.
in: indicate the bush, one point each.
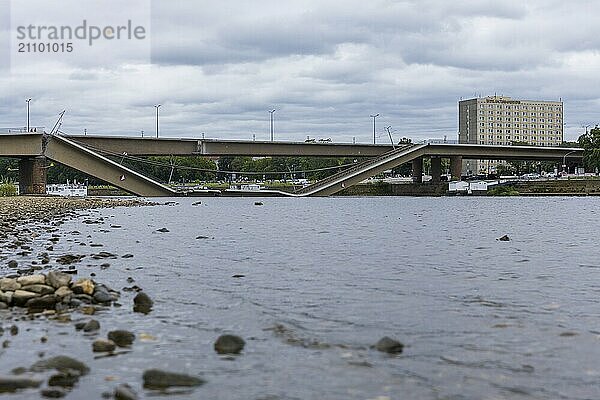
{"type": "Point", "coordinates": [503, 191]}
{"type": "Point", "coordinates": [7, 189]}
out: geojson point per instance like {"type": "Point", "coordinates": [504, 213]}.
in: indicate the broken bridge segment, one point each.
{"type": "Point", "coordinates": [71, 154]}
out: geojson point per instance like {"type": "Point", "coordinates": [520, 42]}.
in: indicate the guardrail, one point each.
{"type": "Point", "coordinates": [32, 129]}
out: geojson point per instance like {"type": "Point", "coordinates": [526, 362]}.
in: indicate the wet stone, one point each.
{"type": "Point", "coordinates": [58, 279]}
{"type": "Point", "coordinates": [63, 379]}
{"type": "Point", "coordinates": [91, 326]}
{"type": "Point", "coordinates": [13, 264]}
{"type": "Point", "coordinates": [10, 384]}
{"type": "Point", "coordinates": [7, 284]}
{"type": "Point", "coordinates": [103, 345]}
{"type": "Point", "coordinates": [121, 338]}
{"type": "Point", "coordinates": [389, 345]}
{"type": "Point", "coordinates": [160, 380]}
{"type": "Point", "coordinates": [125, 392]}
{"type": "Point", "coordinates": [142, 303]}
{"type": "Point", "coordinates": [21, 297]}
{"type": "Point", "coordinates": [39, 289]}
{"type": "Point", "coordinates": [32, 280]}
{"type": "Point", "coordinates": [53, 393]}
{"type": "Point", "coordinates": [229, 344]}
{"type": "Point", "coordinates": [42, 303]}
{"type": "Point", "coordinates": [83, 286]}
{"type": "Point", "coordinates": [62, 364]}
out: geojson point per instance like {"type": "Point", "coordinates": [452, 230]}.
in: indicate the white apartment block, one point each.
{"type": "Point", "coordinates": [498, 120]}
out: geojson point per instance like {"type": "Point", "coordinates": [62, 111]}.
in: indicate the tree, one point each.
{"type": "Point", "coordinates": [590, 142]}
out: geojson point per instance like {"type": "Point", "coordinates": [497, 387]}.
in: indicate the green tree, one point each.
{"type": "Point", "coordinates": [590, 142]}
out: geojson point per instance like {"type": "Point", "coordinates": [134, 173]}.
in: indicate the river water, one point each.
{"type": "Point", "coordinates": [321, 280]}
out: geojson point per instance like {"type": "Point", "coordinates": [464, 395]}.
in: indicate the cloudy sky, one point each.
{"type": "Point", "coordinates": [324, 65]}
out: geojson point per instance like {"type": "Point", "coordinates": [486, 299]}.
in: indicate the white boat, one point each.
{"type": "Point", "coordinates": [67, 190]}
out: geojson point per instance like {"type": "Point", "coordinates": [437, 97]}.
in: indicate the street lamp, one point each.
{"type": "Point", "coordinates": [271, 112]}
{"type": "Point", "coordinates": [28, 101]}
{"type": "Point", "coordinates": [565, 159]}
{"type": "Point", "coordinates": [374, 117]}
{"type": "Point", "coordinates": [157, 107]}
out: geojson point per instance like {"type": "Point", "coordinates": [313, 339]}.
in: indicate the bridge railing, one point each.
{"type": "Point", "coordinates": [347, 171]}
{"type": "Point", "coordinates": [32, 129]}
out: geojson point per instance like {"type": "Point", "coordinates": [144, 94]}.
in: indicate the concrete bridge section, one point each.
{"type": "Point", "coordinates": [416, 153]}
{"type": "Point", "coordinates": [35, 150]}
{"type": "Point", "coordinates": [217, 148]}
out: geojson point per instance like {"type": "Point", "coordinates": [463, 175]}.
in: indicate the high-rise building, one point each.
{"type": "Point", "coordinates": [499, 120]}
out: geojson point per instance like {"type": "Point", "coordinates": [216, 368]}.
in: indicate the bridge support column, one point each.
{"type": "Point", "coordinates": [32, 175]}
{"type": "Point", "coordinates": [436, 169]}
{"type": "Point", "coordinates": [417, 170]}
{"type": "Point", "coordinates": [456, 167]}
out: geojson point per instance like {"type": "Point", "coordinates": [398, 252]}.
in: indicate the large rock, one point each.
{"type": "Point", "coordinates": [62, 364]}
{"type": "Point", "coordinates": [9, 285]}
{"type": "Point", "coordinates": [32, 280]}
{"type": "Point", "coordinates": [9, 384]}
{"type": "Point", "coordinates": [58, 279]}
{"type": "Point", "coordinates": [103, 345]}
{"type": "Point", "coordinates": [389, 345]}
{"type": "Point", "coordinates": [83, 286]}
{"type": "Point", "coordinates": [122, 338]}
{"type": "Point", "coordinates": [39, 289]}
{"type": "Point", "coordinates": [6, 297]}
{"type": "Point", "coordinates": [103, 295]}
{"type": "Point", "coordinates": [42, 303]}
{"type": "Point", "coordinates": [142, 303]}
{"type": "Point", "coordinates": [63, 291]}
{"type": "Point", "coordinates": [229, 344]}
{"type": "Point", "coordinates": [21, 297]}
{"type": "Point", "coordinates": [159, 380]}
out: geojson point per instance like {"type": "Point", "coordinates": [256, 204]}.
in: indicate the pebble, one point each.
{"type": "Point", "coordinates": [163, 230]}
{"type": "Point", "coordinates": [91, 326]}
{"type": "Point", "coordinates": [504, 238]}
{"type": "Point", "coordinates": [229, 344]}
{"type": "Point", "coordinates": [160, 380]}
{"type": "Point", "coordinates": [103, 345]}
{"type": "Point", "coordinates": [53, 393]}
{"type": "Point", "coordinates": [121, 338]}
{"type": "Point", "coordinates": [125, 392]}
{"type": "Point", "coordinates": [389, 345]}
{"type": "Point", "coordinates": [13, 264]}
{"type": "Point", "coordinates": [83, 286]}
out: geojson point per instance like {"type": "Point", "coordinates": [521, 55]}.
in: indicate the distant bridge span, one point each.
{"type": "Point", "coordinates": [86, 154]}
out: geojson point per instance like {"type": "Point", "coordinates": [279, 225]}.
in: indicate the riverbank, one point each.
{"type": "Point", "coordinates": [42, 290]}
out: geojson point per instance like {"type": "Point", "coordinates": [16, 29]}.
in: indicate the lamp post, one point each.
{"type": "Point", "coordinates": [271, 112]}
{"type": "Point", "coordinates": [157, 107]}
{"type": "Point", "coordinates": [28, 101]}
{"type": "Point", "coordinates": [374, 117]}
{"type": "Point", "coordinates": [565, 159]}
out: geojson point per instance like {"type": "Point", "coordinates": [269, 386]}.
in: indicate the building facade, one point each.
{"type": "Point", "coordinates": [499, 120]}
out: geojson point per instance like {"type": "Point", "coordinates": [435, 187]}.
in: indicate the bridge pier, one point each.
{"type": "Point", "coordinates": [32, 175]}
{"type": "Point", "coordinates": [436, 169]}
{"type": "Point", "coordinates": [417, 170]}
{"type": "Point", "coordinates": [456, 167]}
